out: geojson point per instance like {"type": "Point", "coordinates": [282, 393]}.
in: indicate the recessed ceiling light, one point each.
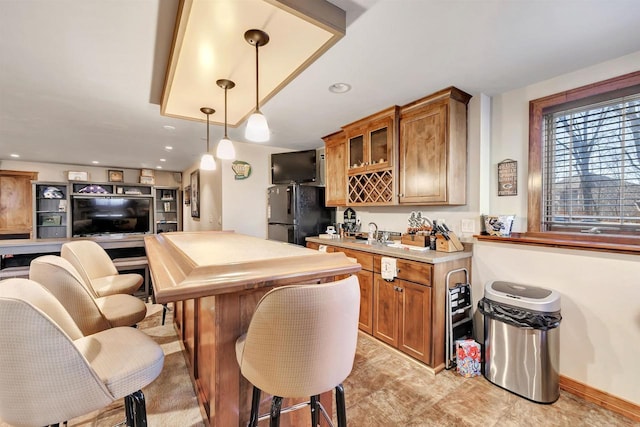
{"type": "Point", "coordinates": [163, 160]}
{"type": "Point", "coordinates": [15, 156]}
{"type": "Point", "coordinates": [95, 162]}
{"type": "Point", "coordinates": [169, 127]}
{"type": "Point", "coordinates": [168, 147]}
{"type": "Point", "coordinates": [158, 167]}
{"type": "Point", "coordinates": [339, 88]}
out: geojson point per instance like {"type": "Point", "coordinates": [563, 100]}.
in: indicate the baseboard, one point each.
{"type": "Point", "coordinates": [601, 398]}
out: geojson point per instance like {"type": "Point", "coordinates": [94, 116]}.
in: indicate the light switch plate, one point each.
{"type": "Point", "coordinates": [467, 226]}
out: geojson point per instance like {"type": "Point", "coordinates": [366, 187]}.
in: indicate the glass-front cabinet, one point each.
{"type": "Point", "coordinates": [51, 213]}
{"type": "Point", "coordinates": [370, 142]}
{"type": "Point", "coordinates": [167, 210]}
{"type": "Point", "coordinates": [370, 163]}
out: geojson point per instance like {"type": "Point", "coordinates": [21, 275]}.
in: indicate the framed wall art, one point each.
{"type": "Point", "coordinates": [508, 178]}
{"type": "Point", "coordinates": [115, 175]}
{"type": "Point", "coordinates": [195, 193]}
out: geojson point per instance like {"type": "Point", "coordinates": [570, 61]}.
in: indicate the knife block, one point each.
{"type": "Point", "coordinates": [452, 245]}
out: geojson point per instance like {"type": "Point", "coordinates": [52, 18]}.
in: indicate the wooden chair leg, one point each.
{"type": "Point", "coordinates": [341, 409]}
{"type": "Point", "coordinates": [255, 407]}
{"type": "Point", "coordinates": [276, 405]}
{"type": "Point", "coordinates": [315, 410]}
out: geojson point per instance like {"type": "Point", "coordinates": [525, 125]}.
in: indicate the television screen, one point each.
{"type": "Point", "coordinates": [296, 166]}
{"type": "Point", "coordinates": [110, 215]}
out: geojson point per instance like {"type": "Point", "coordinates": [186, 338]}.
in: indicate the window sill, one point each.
{"type": "Point", "coordinates": [627, 245]}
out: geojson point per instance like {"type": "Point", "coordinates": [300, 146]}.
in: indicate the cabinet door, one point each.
{"type": "Point", "coordinates": [415, 320]}
{"type": "Point", "coordinates": [423, 154]}
{"type": "Point", "coordinates": [16, 203]}
{"type": "Point", "coordinates": [385, 311]}
{"type": "Point", "coordinates": [365, 321]}
{"type": "Point", "coordinates": [380, 144]}
{"type": "Point", "coordinates": [336, 170]}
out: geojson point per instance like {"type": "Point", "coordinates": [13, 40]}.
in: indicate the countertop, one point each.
{"type": "Point", "coordinates": [187, 265]}
{"type": "Point", "coordinates": [428, 256]}
{"type": "Point", "coordinates": [32, 246]}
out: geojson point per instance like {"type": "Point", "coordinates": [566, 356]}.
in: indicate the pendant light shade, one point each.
{"type": "Point", "coordinates": [225, 148]}
{"type": "Point", "coordinates": [257, 128]}
{"type": "Point", "coordinates": [207, 162]}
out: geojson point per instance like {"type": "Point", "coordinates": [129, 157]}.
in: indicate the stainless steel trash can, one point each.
{"type": "Point", "coordinates": [521, 339]}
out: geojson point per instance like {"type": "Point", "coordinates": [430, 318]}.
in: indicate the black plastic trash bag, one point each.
{"type": "Point", "coordinates": [518, 316]}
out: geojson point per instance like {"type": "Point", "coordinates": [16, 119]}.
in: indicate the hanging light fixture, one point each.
{"type": "Point", "coordinates": [207, 162]}
{"type": "Point", "coordinates": [257, 127]}
{"type": "Point", "coordinates": [225, 146]}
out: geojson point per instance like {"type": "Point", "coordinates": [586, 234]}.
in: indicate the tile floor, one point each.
{"type": "Point", "coordinates": [387, 389]}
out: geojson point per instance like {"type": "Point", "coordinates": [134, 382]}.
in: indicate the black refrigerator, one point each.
{"type": "Point", "coordinates": [297, 211]}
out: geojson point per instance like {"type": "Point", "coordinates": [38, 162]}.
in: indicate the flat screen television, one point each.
{"type": "Point", "coordinates": [295, 166]}
{"type": "Point", "coordinates": [110, 215]}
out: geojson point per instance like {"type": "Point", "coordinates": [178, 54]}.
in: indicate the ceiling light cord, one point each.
{"type": "Point", "coordinates": [257, 79]}
{"type": "Point", "coordinates": [225, 148]}
{"type": "Point", "coordinates": [207, 162]}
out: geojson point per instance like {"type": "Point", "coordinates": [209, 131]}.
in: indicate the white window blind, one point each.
{"type": "Point", "coordinates": [591, 170]}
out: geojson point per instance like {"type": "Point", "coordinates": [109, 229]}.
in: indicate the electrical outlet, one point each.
{"type": "Point", "coordinates": [467, 226]}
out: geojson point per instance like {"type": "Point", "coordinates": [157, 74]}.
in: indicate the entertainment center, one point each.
{"type": "Point", "coordinates": [114, 214]}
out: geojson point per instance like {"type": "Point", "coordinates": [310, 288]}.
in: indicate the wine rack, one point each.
{"type": "Point", "coordinates": [371, 188]}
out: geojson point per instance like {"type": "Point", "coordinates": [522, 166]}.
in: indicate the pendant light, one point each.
{"type": "Point", "coordinates": [207, 162]}
{"type": "Point", "coordinates": [257, 128]}
{"type": "Point", "coordinates": [225, 146]}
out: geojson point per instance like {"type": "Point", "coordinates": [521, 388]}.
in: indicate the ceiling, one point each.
{"type": "Point", "coordinates": [82, 80]}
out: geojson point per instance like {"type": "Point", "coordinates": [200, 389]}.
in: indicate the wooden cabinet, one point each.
{"type": "Point", "coordinates": [370, 144]}
{"type": "Point", "coordinates": [335, 155]}
{"type": "Point", "coordinates": [51, 210]}
{"type": "Point", "coordinates": [433, 149]}
{"type": "Point", "coordinates": [15, 204]}
{"type": "Point", "coordinates": [402, 310]}
{"type": "Point", "coordinates": [365, 278]}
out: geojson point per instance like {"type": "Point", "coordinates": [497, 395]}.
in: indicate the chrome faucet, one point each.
{"type": "Point", "coordinates": [373, 235]}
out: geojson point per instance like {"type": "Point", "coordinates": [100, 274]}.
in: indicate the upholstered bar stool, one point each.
{"type": "Point", "coordinates": [90, 312]}
{"type": "Point", "coordinates": [97, 269]}
{"type": "Point", "coordinates": [301, 342]}
{"type": "Point", "coordinates": [50, 372]}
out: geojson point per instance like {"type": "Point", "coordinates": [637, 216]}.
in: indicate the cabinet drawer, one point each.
{"type": "Point", "coordinates": [364, 259]}
{"type": "Point", "coordinates": [417, 272]}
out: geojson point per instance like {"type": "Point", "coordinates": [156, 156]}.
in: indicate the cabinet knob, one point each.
{"type": "Point", "coordinates": [400, 195]}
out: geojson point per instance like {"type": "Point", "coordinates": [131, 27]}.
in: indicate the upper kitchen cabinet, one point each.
{"type": "Point", "coordinates": [370, 146]}
{"type": "Point", "coordinates": [335, 154]}
{"type": "Point", "coordinates": [433, 149]}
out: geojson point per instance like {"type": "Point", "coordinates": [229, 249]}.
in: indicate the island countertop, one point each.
{"type": "Point", "coordinates": [187, 265]}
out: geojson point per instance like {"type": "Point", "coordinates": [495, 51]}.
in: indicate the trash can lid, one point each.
{"type": "Point", "coordinates": [524, 296]}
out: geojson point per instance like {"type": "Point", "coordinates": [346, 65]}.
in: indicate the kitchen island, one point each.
{"type": "Point", "coordinates": [215, 280]}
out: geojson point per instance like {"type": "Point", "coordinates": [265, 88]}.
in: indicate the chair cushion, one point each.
{"type": "Point", "coordinates": [117, 284]}
{"type": "Point", "coordinates": [124, 358]}
{"type": "Point", "coordinates": [122, 309]}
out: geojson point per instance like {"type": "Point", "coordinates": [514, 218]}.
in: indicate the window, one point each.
{"type": "Point", "coordinates": [584, 161]}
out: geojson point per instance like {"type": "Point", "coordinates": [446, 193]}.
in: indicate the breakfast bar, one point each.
{"type": "Point", "coordinates": [215, 280]}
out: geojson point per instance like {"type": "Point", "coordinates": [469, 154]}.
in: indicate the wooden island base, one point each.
{"type": "Point", "coordinates": [215, 280]}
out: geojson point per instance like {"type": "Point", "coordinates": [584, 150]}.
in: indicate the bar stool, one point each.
{"type": "Point", "coordinates": [91, 313]}
{"type": "Point", "coordinates": [50, 372]}
{"type": "Point", "coordinates": [97, 269]}
{"type": "Point", "coordinates": [301, 342]}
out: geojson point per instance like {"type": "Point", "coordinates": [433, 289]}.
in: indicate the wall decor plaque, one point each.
{"type": "Point", "coordinates": [508, 178]}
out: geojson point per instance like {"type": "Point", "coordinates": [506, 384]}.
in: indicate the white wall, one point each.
{"type": "Point", "coordinates": [210, 200]}
{"type": "Point", "coordinates": [58, 172]}
{"type": "Point", "coordinates": [244, 202]}
{"type": "Point", "coordinates": [600, 330]}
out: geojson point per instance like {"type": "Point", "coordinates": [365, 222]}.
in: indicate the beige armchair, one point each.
{"type": "Point", "coordinates": [91, 313]}
{"type": "Point", "coordinates": [97, 269]}
{"type": "Point", "coordinates": [301, 342]}
{"type": "Point", "coordinates": [50, 372]}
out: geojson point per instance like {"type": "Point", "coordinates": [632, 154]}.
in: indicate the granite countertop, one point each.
{"type": "Point", "coordinates": [428, 256]}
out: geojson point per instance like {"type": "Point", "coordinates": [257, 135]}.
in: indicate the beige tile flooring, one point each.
{"type": "Point", "coordinates": [386, 389]}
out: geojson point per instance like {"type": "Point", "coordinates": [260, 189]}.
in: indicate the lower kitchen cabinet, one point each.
{"type": "Point", "coordinates": [402, 316]}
